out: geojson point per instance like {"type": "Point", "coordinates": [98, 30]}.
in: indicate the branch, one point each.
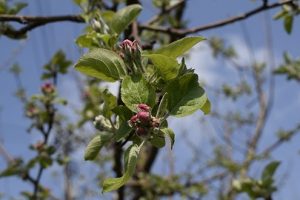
{"type": "Point", "coordinates": [40, 19]}
{"type": "Point", "coordinates": [183, 32]}
{"type": "Point", "coordinates": [32, 22]}
{"type": "Point", "coordinates": [280, 141]}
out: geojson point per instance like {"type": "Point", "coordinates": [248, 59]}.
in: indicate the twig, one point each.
{"type": "Point", "coordinates": [279, 142]}
{"type": "Point", "coordinates": [164, 12]}
{"type": "Point", "coordinates": [50, 109]}
{"type": "Point", "coordinates": [46, 138]}
{"type": "Point", "coordinates": [183, 32]}
{"type": "Point", "coordinates": [40, 19]}
{"type": "Point", "coordinates": [5, 154]}
{"type": "Point", "coordinates": [33, 22]}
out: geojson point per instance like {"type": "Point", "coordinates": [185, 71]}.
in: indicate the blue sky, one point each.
{"type": "Point", "coordinates": [43, 42]}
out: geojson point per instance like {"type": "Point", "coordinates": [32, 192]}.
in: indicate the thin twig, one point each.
{"type": "Point", "coordinates": [50, 109]}
{"type": "Point", "coordinates": [164, 12]}
{"type": "Point", "coordinates": [5, 154]}
{"type": "Point", "coordinates": [46, 138]}
{"type": "Point", "coordinates": [33, 22]}
{"type": "Point", "coordinates": [183, 32]}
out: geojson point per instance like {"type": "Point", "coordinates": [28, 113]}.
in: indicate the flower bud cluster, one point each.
{"type": "Point", "coordinates": [143, 122]}
{"type": "Point", "coordinates": [130, 47]}
{"type": "Point", "coordinates": [48, 88]}
{"type": "Point", "coordinates": [131, 53]}
{"type": "Point", "coordinates": [99, 25]}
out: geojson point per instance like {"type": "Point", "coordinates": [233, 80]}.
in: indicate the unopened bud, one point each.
{"type": "Point", "coordinates": [143, 107]}
{"type": "Point", "coordinates": [96, 25]}
{"type": "Point", "coordinates": [48, 88]}
{"type": "Point", "coordinates": [143, 117]}
{"type": "Point", "coordinates": [136, 50]}
{"type": "Point", "coordinates": [126, 44]}
{"type": "Point", "coordinates": [102, 124]}
{"type": "Point", "coordinates": [32, 111]}
{"type": "Point", "coordinates": [133, 120]}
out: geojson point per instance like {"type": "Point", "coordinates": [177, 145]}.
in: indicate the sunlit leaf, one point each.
{"type": "Point", "coordinates": [103, 64]}
{"type": "Point", "coordinates": [170, 134]}
{"type": "Point", "coordinates": [179, 47]}
{"type": "Point", "coordinates": [167, 67]}
{"type": "Point", "coordinates": [131, 160]}
{"type": "Point", "coordinates": [124, 17]}
{"type": "Point", "coordinates": [136, 90]}
{"type": "Point", "coordinates": [158, 140]}
{"type": "Point", "coordinates": [95, 146]}
{"type": "Point", "coordinates": [186, 96]}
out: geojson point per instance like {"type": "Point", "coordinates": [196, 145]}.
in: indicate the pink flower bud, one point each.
{"type": "Point", "coordinates": [126, 44]}
{"type": "Point", "coordinates": [143, 107]}
{"type": "Point", "coordinates": [31, 111]}
{"type": "Point", "coordinates": [133, 120]}
{"type": "Point", "coordinates": [143, 117]}
{"type": "Point", "coordinates": [48, 88]}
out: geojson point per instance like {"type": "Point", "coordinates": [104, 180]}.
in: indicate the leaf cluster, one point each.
{"type": "Point", "coordinates": [154, 78]}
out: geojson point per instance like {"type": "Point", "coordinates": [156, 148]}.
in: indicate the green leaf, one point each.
{"type": "Point", "coordinates": [17, 7]}
{"type": "Point", "coordinates": [58, 63]}
{"type": "Point", "coordinates": [123, 131]}
{"type": "Point", "coordinates": [124, 17]}
{"type": "Point", "coordinates": [158, 140]}
{"type": "Point", "coordinates": [123, 112]}
{"type": "Point", "coordinates": [269, 170]}
{"type": "Point", "coordinates": [280, 14]}
{"type": "Point", "coordinates": [186, 96]}
{"type": "Point", "coordinates": [163, 105]}
{"type": "Point", "coordinates": [179, 47]}
{"type": "Point", "coordinates": [167, 67]}
{"type": "Point", "coordinates": [115, 183]}
{"type": "Point", "coordinates": [87, 40]}
{"type": "Point", "coordinates": [288, 23]}
{"type": "Point", "coordinates": [103, 64]}
{"type": "Point", "coordinates": [79, 2]}
{"type": "Point", "coordinates": [170, 134]}
{"type": "Point", "coordinates": [108, 16]}
{"type": "Point", "coordinates": [3, 7]}
{"type": "Point", "coordinates": [206, 107]}
{"type": "Point", "coordinates": [95, 146]}
{"type": "Point", "coordinates": [14, 168]}
{"type": "Point", "coordinates": [136, 90]}
{"type": "Point", "coordinates": [110, 102]}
